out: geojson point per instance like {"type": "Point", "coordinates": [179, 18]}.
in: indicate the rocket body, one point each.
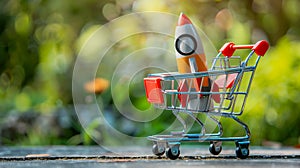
{"type": "Point", "coordinates": [188, 45]}
{"type": "Point", "coordinates": [190, 56]}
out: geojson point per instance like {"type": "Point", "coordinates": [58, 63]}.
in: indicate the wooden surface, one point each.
{"type": "Point", "coordinates": [95, 156]}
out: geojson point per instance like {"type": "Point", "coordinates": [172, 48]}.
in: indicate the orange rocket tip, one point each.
{"type": "Point", "coordinates": [183, 19]}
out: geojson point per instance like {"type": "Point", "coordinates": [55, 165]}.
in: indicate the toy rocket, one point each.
{"type": "Point", "coordinates": [189, 50]}
{"type": "Point", "coordinates": [190, 56]}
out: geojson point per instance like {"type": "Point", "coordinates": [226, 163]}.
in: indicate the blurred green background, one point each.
{"type": "Point", "coordinates": [40, 39]}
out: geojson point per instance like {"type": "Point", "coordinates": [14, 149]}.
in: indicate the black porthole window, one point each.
{"type": "Point", "coordinates": [186, 44]}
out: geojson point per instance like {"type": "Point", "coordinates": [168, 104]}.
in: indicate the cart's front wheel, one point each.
{"type": "Point", "coordinates": [215, 150]}
{"type": "Point", "coordinates": [242, 153]}
{"type": "Point", "coordinates": [158, 151]}
{"type": "Point", "coordinates": [173, 152]}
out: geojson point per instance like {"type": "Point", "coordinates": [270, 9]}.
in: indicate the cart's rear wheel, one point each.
{"type": "Point", "coordinates": [242, 153]}
{"type": "Point", "coordinates": [242, 149]}
{"type": "Point", "coordinates": [215, 150]}
{"type": "Point", "coordinates": [173, 152]}
{"type": "Point", "coordinates": [158, 151]}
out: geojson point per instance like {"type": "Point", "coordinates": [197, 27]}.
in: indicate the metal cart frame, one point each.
{"type": "Point", "coordinates": [225, 97]}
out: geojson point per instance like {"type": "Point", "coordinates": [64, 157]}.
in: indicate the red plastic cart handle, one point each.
{"type": "Point", "coordinates": [260, 48]}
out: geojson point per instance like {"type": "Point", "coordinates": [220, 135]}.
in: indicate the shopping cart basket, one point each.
{"type": "Point", "coordinates": [229, 83]}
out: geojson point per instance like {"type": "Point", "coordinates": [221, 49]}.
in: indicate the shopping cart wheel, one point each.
{"type": "Point", "coordinates": [215, 149]}
{"type": "Point", "coordinates": [242, 149]}
{"type": "Point", "coordinates": [173, 152]}
{"type": "Point", "coordinates": [158, 151]}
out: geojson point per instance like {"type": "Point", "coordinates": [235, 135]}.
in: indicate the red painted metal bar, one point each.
{"type": "Point", "coordinates": [242, 46]}
{"type": "Point", "coordinates": [260, 48]}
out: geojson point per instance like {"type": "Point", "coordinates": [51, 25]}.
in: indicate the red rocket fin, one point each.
{"type": "Point", "coordinates": [220, 83]}
{"type": "Point", "coordinates": [216, 97]}
{"type": "Point", "coordinates": [183, 87]}
{"type": "Point", "coordinates": [229, 82]}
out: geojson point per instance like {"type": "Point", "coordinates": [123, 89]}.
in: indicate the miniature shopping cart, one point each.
{"type": "Point", "coordinates": [229, 81]}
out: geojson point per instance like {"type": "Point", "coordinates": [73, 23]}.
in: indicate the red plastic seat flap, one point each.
{"type": "Point", "coordinates": [153, 90]}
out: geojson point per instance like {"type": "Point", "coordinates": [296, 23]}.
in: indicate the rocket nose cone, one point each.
{"type": "Point", "coordinates": [183, 19]}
